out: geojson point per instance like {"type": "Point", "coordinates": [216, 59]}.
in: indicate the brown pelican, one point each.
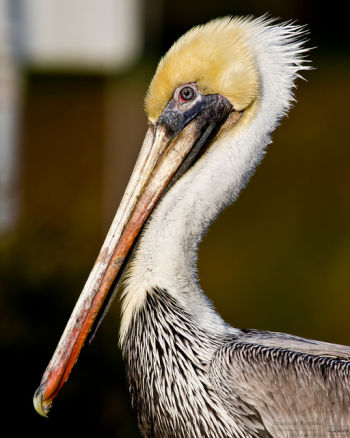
{"type": "Point", "coordinates": [213, 102]}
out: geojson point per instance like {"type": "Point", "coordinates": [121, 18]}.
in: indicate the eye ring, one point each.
{"type": "Point", "coordinates": [186, 94]}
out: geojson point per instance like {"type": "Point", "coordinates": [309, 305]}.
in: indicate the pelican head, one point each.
{"type": "Point", "coordinates": [211, 105]}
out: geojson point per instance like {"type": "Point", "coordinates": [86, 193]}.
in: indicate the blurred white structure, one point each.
{"type": "Point", "coordinates": [102, 36]}
{"type": "Point", "coordinates": [8, 118]}
{"type": "Point", "coordinates": [83, 34]}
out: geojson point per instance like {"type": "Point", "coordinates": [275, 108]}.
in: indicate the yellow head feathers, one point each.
{"type": "Point", "coordinates": [216, 57]}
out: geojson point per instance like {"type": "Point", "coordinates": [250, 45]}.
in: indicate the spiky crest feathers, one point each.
{"type": "Point", "coordinates": [220, 57]}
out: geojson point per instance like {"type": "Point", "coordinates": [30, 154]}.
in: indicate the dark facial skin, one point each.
{"type": "Point", "coordinates": [207, 109]}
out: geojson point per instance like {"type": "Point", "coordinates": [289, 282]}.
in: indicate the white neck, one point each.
{"type": "Point", "coordinates": [167, 252]}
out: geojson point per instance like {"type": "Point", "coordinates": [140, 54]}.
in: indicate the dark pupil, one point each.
{"type": "Point", "coordinates": [187, 93]}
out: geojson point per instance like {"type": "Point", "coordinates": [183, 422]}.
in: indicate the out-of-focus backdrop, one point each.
{"type": "Point", "coordinates": [73, 74]}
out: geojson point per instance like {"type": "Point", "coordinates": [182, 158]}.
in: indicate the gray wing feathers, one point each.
{"type": "Point", "coordinates": [284, 393]}
{"type": "Point", "coordinates": [295, 343]}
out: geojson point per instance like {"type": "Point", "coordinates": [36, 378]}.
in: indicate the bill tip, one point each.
{"type": "Point", "coordinates": [41, 406]}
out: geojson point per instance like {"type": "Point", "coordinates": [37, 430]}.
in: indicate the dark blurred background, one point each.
{"type": "Point", "coordinates": [73, 75]}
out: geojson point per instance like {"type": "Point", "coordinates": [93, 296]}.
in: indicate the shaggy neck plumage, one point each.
{"type": "Point", "coordinates": [167, 252]}
{"type": "Point", "coordinates": [167, 359]}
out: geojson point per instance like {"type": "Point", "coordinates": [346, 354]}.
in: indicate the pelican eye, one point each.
{"type": "Point", "coordinates": [186, 94]}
